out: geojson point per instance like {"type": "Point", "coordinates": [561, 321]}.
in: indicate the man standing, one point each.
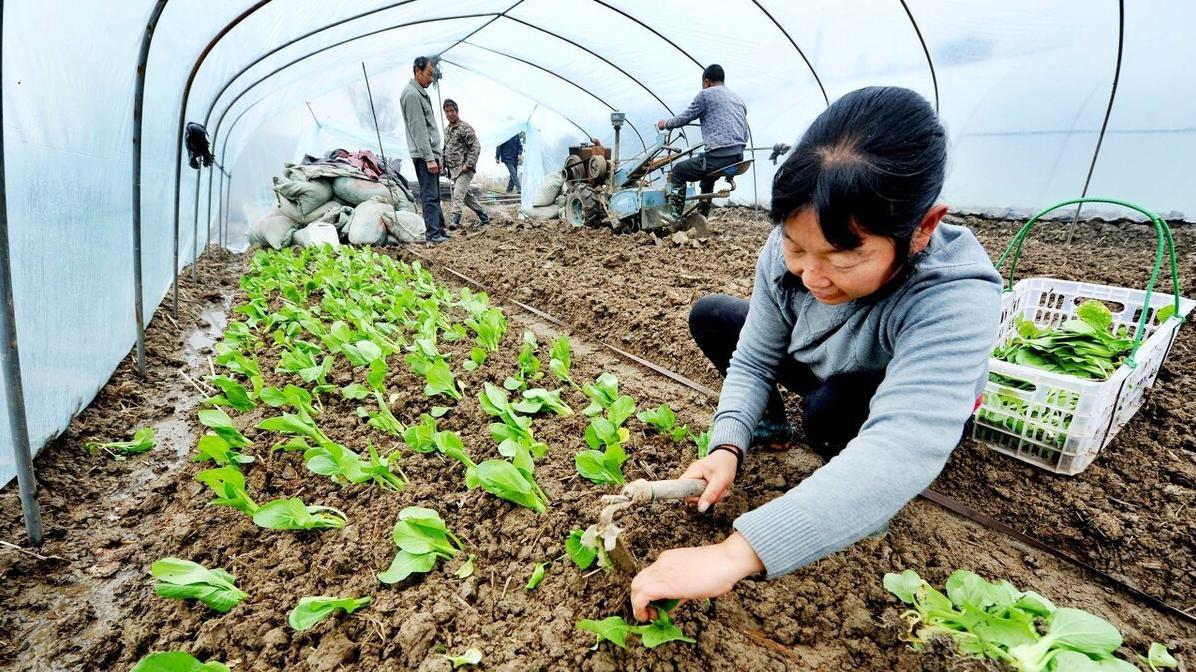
{"type": "Point", "coordinates": [423, 143]}
{"type": "Point", "coordinates": [461, 159]}
{"type": "Point", "coordinates": [724, 130]}
{"type": "Point", "coordinates": [510, 153]}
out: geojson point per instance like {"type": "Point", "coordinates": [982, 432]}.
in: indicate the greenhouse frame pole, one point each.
{"type": "Point", "coordinates": [194, 233]}
{"type": "Point", "coordinates": [10, 361]}
{"type": "Point", "coordinates": [178, 155]}
{"type": "Point", "coordinates": [138, 109]}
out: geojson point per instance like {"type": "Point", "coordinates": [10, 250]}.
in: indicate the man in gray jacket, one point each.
{"type": "Point", "coordinates": [423, 143]}
{"type": "Point", "coordinates": [724, 132]}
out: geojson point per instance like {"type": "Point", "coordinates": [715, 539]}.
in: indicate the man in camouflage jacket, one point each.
{"type": "Point", "coordinates": [461, 151]}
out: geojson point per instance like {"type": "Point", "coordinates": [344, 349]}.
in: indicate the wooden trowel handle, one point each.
{"type": "Point", "coordinates": [678, 488]}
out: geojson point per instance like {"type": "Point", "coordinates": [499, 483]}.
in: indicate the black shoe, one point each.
{"type": "Point", "coordinates": [483, 220]}
{"type": "Point", "coordinates": [437, 239]}
{"type": "Point", "coordinates": [455, 223]}
{"type": "Point", "coordinates": [772, 434]}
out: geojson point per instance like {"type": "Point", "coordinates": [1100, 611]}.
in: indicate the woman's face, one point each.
{"type": "Point", "coordinates": [834, 276]}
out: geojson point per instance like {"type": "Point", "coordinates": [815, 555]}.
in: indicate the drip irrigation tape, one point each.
{"type": "Point", "coordinates": [951, 504]}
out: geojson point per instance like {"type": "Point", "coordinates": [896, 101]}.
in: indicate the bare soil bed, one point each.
{"type": "Point", "coordinates": [92, 607]}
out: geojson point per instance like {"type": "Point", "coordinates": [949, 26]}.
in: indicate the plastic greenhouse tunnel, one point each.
{"type": "Point", "coordinates": [345, 320]}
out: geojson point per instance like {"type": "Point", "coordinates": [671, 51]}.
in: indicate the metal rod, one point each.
{"type": "Point", "coordinates": [313, 114]}
{"type": "Point", "coordinates": [10, 361]}
{"type": "Point", "coordinates": [208, 210]}
{"type": "Point", "coordinates": [138, 109]}
{"type": "Point", "coordinates": [381, 150]}
{"type": "Point", "coordinates": [228, 207]}
{"type": "Point", "coordinates": [195, 232]}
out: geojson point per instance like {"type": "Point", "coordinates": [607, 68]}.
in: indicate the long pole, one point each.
{"type": "Point", "coordinates": [138, 108]}
{"type": "Point", "coordinates": [381, 150]}
{"type": "Point", "coordinates": [10, 361]}
{"type": "Point", "coordinates": [195, 233]}
{"type": "Point", "coordinates": [228, 206]}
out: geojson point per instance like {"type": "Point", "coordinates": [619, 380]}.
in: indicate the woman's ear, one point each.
{"type": "Point", "coordinates": [930, 222]}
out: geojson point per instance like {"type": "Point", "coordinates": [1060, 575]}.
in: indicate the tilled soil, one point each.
{"type": "Point", "coordinates": [1132, 513]}
{"type": "Point", "coordinates": [94, 608]}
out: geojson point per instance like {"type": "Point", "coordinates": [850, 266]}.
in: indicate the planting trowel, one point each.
{"type": "Point", "coordinates": [636, 492]}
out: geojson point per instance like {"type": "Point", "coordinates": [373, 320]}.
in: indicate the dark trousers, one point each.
{"type": "Point", "coordinates": [833, 410]}
{"type": "Point", "coordinates": [512, 168]}
{"type": "Point", "coordinates": [698, 170]}
{"type": "Point", "coordinates": [429, 199]}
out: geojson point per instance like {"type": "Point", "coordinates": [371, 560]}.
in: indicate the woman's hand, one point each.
{"type": "Point", "coordinates": [718, 470]}
{"type": "Point", "coordinates": [693, 573]}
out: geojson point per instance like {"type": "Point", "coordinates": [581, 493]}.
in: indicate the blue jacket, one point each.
{"type": "Point", "coordinates": [509, 151]}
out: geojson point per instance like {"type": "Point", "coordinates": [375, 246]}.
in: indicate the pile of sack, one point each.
{"type": "Point", "coordinates": [548, 199]}
{"type": "Point", "coordinates": [334, 203]}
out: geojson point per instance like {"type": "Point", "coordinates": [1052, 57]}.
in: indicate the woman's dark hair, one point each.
{"type": "Point", "coordinates": [873, 161]}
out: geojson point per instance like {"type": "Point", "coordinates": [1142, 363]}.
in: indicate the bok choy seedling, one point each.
{"type": "Point", "coordinates": [311, 610]}
{"type": "Point", "coordinates": [142, 441]}
{"type": "Point", "coordinates": [176, 661]}
{"type": "Point", "coordinates": [185, 580]}
{"type": "Point", "coordinates": [423, 539]}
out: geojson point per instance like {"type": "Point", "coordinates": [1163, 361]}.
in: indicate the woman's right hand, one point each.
{"type": "Point", "coordinates": [718, 470]}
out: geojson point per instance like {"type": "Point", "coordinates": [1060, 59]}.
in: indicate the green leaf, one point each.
{"type": "Point", "coordinates": [143, 440]}
{"type": "Point", "coordinates": [405, 564]}
{"type": "Point", "coordinates": [421, 438]}
{"type": "Point", "coordinates": [176, 661]}
{"type": "Point", "coordinates": [1080, 630]}
{"type": "Point", "coordinates": [620, 409]}
{"type": "Point", "coordinates": [472, 656]}
{"type": "Point", "coordinates": [1158, 656]}
{"type": "Point", "coordinates": [293, 514]}
{"type": "Point", "coordinates": [661, 631]}
{"type": "Point", "coordinates": [1095, 314]}
{"type": "Point", "coordinates": [466, 569]}
{"type": "Point", "coordinates": [904, 585]}
{"type": "Point", "coordinates": [612, 629]}
{"type": "Point", "coordinates": [219, 422]}
{"type": "Point", "coordinates": [312, 610]}
{"type": "Point", "coordinates": [599, 467]}
{"type": "Point", "coordinates": [502, 479]}
{"type": "Point", "coordinates": [183, 579]}
{"type": "Point", "coordinates": [272, 396]}
{"type": "Point", "coordinates": [212, 447]}
{"type": "Point", "coordinates": [441, 381]}
{"type": "Point", "coordinates": [228, 485]}
{"type": "Point", "coordinates": [235, 394]}
{"type": "Point", "coordinates": [662, 418]}
{"type": "Point", "coordinates": [355, 391]}
{"type": "Point", "coordinates": [1163, 314]}
{"type": "Point", "coordinates": [420, 530]}
{"type": "Point", "coordinates": [537, 576]}
{"type": "Point", "coordinates": [438, 411]}
{"type": "Point", "coordinates": [583, 556]}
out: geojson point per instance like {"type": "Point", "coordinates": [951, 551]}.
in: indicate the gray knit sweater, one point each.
{"type": "Point", "coordinates": [930, 330]}
{"type": "Point", "coordinates": [723, 116]}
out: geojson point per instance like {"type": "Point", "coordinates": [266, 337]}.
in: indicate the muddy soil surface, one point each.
{"type": "Point", "coordinates": [94, 607]}
{"type": "Point", "coordinates": [1132, 513]}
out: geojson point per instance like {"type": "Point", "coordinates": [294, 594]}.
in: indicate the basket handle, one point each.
{"type": "Point", "coordinates": [1162, 236]}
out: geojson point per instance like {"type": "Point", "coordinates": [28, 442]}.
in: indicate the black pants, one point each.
{"type": "Point", "coordinates": [697, 170]}
{"type": "Point", "coordinates": [833, 410]}
{"type": "Point", "coordinates": [429, 199]}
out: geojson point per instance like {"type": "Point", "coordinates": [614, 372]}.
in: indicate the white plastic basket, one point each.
{"type": "Point", "coordinates": [1060, 422]}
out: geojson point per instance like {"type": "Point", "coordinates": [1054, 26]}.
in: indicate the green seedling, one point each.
{"type": "Point", "coordinates": [664, 420]}
{"type": "Point", "coordinates": [176, 661]}
{"type": "Point", "coordinates": [529, 365]}
{"type": "Point", "coordinates": [602, 393]}
{"type": "Point", "coordinates": [1158, 657]}
{"type": "Point", "coordinates": [537, 576]}
{"type": "Point", "coordinates": [219, 422]}
{"type": "Point", "coordinates": [702, 441]}
{"type": "Point", "coordinates": [296, 425]}
{"type": "Point", "coordinates": [311, 610]}
{"type": "Point", "coordinates": [228, 484]}
{"type": "Point", "coordinates": [212, 447]}
{"type": "Point", "coordinates": [472, 656]}
{"type": "Point", "coordinates": [466, 569]}
{"type": "Point", "coordinates": [999, 622]}
{"type": "Point", "coordinates": [423, 539]}
{"type": "Point", "coordinates": [561, 360]}
{"type": "Point", "coordinates": [513, 481]}
{"type": "Point", "coordinates": [582, 555]}
{"type": "Point", "coordinates": [292, 514]}
{"type": "Point", "coordinates": [603, 463]}
{"type": "Point", "coordinates": [660, 631]}
{"type": "Point", "coordinates": [185, 580]}
{"type": "Point", "coordinates": [299, 399]}
{"type": "Point", "coordinates": [233, 394]}
{"type": "Point", "coordinates": [515, 429]}
{"type": "Point", "coordinates": [421, 438]}
{"type": "Point", "coordinates": [142, 441]}
{"type": "Point", "coordinates": [1087, 347]}
{"type": "Point", "coordinates": [539, 400]}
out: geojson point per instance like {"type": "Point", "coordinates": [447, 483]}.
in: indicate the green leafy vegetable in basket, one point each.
{"type": "Point", "coordinates": [1086, 347]}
